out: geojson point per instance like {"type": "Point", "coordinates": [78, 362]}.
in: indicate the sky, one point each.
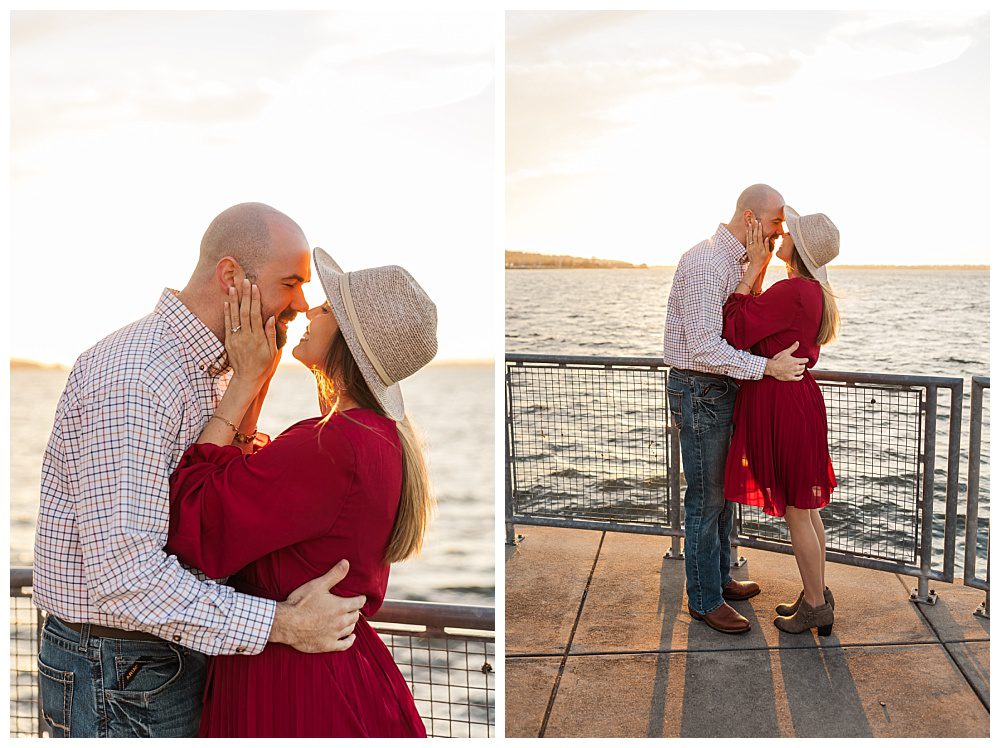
{"type": "Point", "coordinates": [130, 131]}
{"type": "Point", "coordinates": [629, 134]}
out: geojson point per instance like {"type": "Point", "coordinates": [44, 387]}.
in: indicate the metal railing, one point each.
{"type": "Point", "coordinates": [445, 653]}
{"type": "Point", "coordinates": [590, 445]}
{"type": "Point", "coordinates": [972, 529]}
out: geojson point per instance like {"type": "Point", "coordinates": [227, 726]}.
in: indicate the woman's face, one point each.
{"type": "Point", "coordinates": [785, 251]}
{"type": "Point", "coordinates": [315, 343]}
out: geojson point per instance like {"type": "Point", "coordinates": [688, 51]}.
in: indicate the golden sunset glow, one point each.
{"type": "Point", "coordinates": [373, 130]}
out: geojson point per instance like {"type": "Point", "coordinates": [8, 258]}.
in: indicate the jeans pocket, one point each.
{"type": "Point", "coordinates": [56, 692]}
{"type": "Point", "coordinates": [675, 399]}
{"type": "Point", "coordinates": [710, 390]}
{"type": "Point", "coordinates": [140, 676]}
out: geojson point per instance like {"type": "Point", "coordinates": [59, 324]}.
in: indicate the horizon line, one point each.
{"type": "Point", "coordinates": [971, 265]}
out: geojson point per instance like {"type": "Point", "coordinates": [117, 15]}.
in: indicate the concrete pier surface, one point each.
{"type": "Point", "coordinates": [599, 643]}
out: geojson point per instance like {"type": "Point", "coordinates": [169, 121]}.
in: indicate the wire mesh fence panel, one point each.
{"type": "Point", "coordinates": [589, 443]}
{"type": "Point", "coordinates": [451, 676]}
{"type": "Point", "coordinates": [23, 670]}
{"type": "Point", "coordinates": [452, 680]}
{"type": "Point", "coordinates": [874, 436]}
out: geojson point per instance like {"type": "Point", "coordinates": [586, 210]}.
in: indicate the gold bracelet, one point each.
{"type": "Point", "coordinates": [245, 438]}
{"type": "Point", "coordinates": [228, 423]}
{"type": "Point", "coordinates": [240, 438]}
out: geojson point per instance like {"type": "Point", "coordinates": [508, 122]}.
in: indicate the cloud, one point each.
{"type": "Point", "coordinates": [535, 36]}
{"type": "Point", "coordinates": [575, 79]}
{"type": "Point", "coordinates": [88, 73]}
{"type": "Point", "coordinates": [557, 108]}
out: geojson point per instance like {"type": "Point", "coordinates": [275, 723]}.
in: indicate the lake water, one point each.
{"type": "Point", "coordinates": [903, 321]}
{"type": "Point", "coordinates": [452, 405]}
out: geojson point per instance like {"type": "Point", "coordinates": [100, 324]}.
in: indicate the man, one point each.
{"type": "Point", "coordinates": [124, 643]}
{"type": "Point", "coordinates": [702, 392]}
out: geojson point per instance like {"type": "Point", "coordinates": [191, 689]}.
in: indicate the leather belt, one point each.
{"type": "Point", "coordinates": [693, 373]}
{"type": "Point", "coordinates": [106, 632]}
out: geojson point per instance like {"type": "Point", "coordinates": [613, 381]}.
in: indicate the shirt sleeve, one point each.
{"type": "Point", "coordinates": [122, 506]}
{"type": "Point", "coordinates": [228, 508]}
{"type": "Point", "coordinates": [702, 302]}
{"type": "Point", "coordinates": [747, 320]}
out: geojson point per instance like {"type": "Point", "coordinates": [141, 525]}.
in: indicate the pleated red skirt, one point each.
{"type": "Point", "coordinates": [779, 455]}
{"type": "Point", "coordinates": [285, 693]}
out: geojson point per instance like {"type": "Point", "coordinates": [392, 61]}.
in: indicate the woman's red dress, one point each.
{"type": "Point", "coordinates": [779, 455]}
{"type": "Point", "coordinates": [272, 521]}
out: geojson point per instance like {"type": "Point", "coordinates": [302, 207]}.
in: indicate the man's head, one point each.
{"type": "Point", "coordinates": [758, 202]}
{"type": "Point", "coordinates": [255, 241]}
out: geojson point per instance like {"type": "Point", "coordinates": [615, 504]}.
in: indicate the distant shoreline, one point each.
{"type": "Point", "coordinates": [517, 260]}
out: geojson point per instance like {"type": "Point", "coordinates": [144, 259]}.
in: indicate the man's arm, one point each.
{"type": "Point", "coordinates": [122, 505]}
{"type": "Point", "coordinates": [702, 301]}
{"type": "Point", "coordinates": [122, 515]}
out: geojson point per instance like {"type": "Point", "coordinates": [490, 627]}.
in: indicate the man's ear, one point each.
{"type": "Point", "coordinates": [748, 217]}
{"type": "Point", "coordinates": [228, 273]}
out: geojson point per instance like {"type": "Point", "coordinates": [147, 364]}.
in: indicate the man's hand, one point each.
{"type": "Point", "coordinates": [313, 620]}
{"type": "Point", "coordinates": [785, 366]}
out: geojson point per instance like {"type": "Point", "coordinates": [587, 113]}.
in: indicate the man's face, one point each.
{"type": "Point", "coordinates": [280, 280]}
{"type": "Point", "coordinates": [771, 219]}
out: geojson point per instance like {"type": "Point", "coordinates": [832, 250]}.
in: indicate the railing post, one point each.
{"type": "Point", "coordinates": [39, 623]}
{"type": "Point", "coordinates": [951, 491]}
{"type": "Point", "coordinates": [734, 540]}
{"type": "Point", "coordinates": [972, 498]}
{"type": "Point", "coordinates": [508, 465]}
{"type": "Point", "coordinates": [922, 594]}
{"type": "Point", "coordinates": [983, 611]}
{"type": "Point", "coordinates": [673, 473]}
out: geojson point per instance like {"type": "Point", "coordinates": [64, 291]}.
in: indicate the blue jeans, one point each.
{"type": "Point", "coordinates": [116, 688]}
{"type": "Point", "coordinates": [702, 407]}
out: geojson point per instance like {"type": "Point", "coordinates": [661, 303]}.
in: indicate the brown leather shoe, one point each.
{"type": "Point", "coordinates": [740, 590]}
{"type": "Point", "coordinates": [723, 619]}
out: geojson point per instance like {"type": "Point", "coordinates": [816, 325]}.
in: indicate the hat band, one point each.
{"type": "Point", "coordinates": [345, 292]}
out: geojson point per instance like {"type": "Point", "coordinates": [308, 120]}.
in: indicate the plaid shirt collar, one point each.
{"type": "Point", "coordinates": [207, 351]}
{"type": "Point", "coordinates": [725, 240]}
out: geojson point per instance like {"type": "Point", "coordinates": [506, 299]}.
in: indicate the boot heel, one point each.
{"type": "Point", "coordinates": [825, 630]}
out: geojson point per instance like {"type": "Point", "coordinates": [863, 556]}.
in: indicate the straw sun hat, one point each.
{"type": "Point", "coordinates": [388, 322]}
{"type": "Point", "coordinates": [816, 239]}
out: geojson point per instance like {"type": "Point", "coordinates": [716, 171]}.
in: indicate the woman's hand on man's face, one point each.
{"type": "Point", "coordinates": [250, 342]}
{"type": "Point", "coordinates": [758, 250]}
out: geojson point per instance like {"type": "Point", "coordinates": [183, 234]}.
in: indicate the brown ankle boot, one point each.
{"type": "Point", "coordinates": [806, 618]}
{"type": "Point", "coordinates": [786, 609]}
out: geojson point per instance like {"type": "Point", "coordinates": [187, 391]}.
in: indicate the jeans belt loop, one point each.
{"type": "Point", "coordinates": [84, 637]}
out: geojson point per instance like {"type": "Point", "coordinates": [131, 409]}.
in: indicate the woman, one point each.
{"type": "Point", "coordinates": [350, 483]}
{"type": "Point", "coordinates": [778, 459]}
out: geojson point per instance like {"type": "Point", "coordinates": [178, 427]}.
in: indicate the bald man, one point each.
{"type": "Point", "coordinates": [702, 387]}
{"type": "Point", "coordinates": [127, 627]}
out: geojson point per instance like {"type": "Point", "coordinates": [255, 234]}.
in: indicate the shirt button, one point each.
{"type": "Point", "coordinates": [241, 650]}
{"type": "Point", "coordinates": [177, 637]}
{"type": "Point", "coordinates": [204, 367]}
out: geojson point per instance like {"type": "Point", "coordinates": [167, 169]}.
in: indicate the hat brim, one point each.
{"type": "Point", "coordinates": [792, 219]}
{"type": "Point", "coordinates": [390, 397]}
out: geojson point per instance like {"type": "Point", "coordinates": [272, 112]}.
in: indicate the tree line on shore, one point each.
{"type": "Point", "coordinates": [517, 260]}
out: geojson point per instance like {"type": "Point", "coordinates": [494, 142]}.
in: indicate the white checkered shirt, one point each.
{"type": "Point", "coordinates": [132, 405]}
{"type": "Point", "coordinates": [692, 335]}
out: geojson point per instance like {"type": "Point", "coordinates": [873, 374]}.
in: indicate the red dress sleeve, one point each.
{"type": "Point", "coordinates": [747, 320]}
{"type": "Point", "coordinates": [228, 509]}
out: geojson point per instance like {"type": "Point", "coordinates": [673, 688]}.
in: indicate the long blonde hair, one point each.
{"type": "Point", "coordinates": [829, 323]}
{"type": "Point", "coordinates": [339, 376]}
